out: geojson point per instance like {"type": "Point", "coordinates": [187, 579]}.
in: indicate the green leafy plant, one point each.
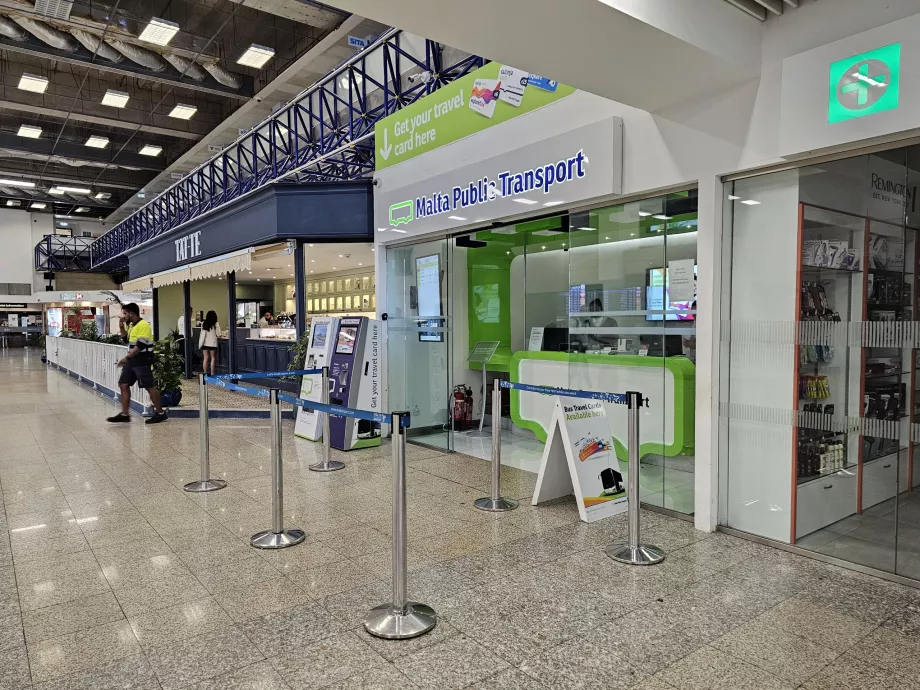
{"type": "Point", "coordinates": [41, 340]}
{"type": "Point", "coordinates": [167, 367]}
{"type": "Point", "coordinates": [113, 339]}
{"type": "Point", "coordinates": [299, 354]}
{"type": "Point", "coordinates": [89, 331]}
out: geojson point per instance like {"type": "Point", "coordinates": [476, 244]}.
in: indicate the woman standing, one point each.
{"type": "Point", "coordinates": [207, 341]}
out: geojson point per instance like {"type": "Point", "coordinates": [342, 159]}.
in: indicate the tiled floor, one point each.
{"type": "Point", "coordinates": [112, 577]}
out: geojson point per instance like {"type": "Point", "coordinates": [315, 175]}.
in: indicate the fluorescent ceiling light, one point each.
{"type": "Point", "coordinates": [548, 233]}
{"type": "Point", "coordinates": [97, 142]}
{"type": "Point", "coordinates": [38, 204]}
{"type": "Point", "coordinates": [525, 201]}
{"type": "Point", "coordinates": [16, 183]}
{"type": "Point", "coordinates": [115, 99]}
{"type": "Point", "coordinates": [82, 209]}
{"type": "Point", "coordinates": [456, 218]}
{"type": "Point", "coordinates": [644, 214]}
{"type": "Point", "coordinates": [62, 225]}
{"type": "Point", "coordinates": [256, 56]}
{"type": "Point", "coordinates": [343, 80]}
{"type": "Point", "coordinates": [553, 203]}
{"type": "Point", "coordinates": [29, 131]}
{"type": "Point", "coordinates": [505, 231]}
{"type": "Point", "coordinates": [584, 228]}
{"type": "Point", "coordinates": [733, 197]}
{"type": "Point", "coordinates": [149, 150]}
{"type": "Point", "coordinates": [398, 230]}
{"type": "Point", "coordinates": [159, 31]}
{"type": "Point", "coordinates": [30, 82]}
{"type": "Point", "coordinates": [102, 196]}
{"type": "Point", "coordinates": [75, 190]}
{"type": "Point", "coordinates": [183, 112]}
{"type": "Point", "coordinates": [56, 191]}
{"type": "Point", "coordinates": [12, 202]}
{"type": "Point", "coordinates": [661, 216]}
{"type": "Point", "coordinates": [750, 202]}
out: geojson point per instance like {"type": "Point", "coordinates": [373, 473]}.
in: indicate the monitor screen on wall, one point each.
{"type": "Point", "coordinates": [657, 291]}
{"type": "Point", "coordinates": [428, 280]}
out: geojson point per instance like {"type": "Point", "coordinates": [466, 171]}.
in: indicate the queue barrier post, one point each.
{"type": "Point", "coordinates": [633, 552]}
{"type": "Point", "coordinates": [401, 618]}
{"type": "Point", "coordinates": [277, 537]}
{"type": "Point", "coordinates": [326, 465]}
{"type": "Point", "coordinates": [496, 503]}
{"type": "Point", "coordinates": [205, 483]}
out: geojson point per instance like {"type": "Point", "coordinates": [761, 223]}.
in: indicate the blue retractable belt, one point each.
{"type": "Point", "coordinates": [616, 398]}
{"type": "Point", "coordinates": [266, 374]}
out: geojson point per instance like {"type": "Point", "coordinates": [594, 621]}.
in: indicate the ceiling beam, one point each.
{"type": "Point", "coordinates": [73, 181]}
{"type": "Point", "coordinates": [774, 6]}
{"type": "Point", "coordinates": [67, 149]}
{"type": "Point", "coordinates": [751, 7]}
{"type": "Point", "coordinates": [15, 106]}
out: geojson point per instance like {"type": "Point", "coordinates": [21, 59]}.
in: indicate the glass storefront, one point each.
{"type": "Point", "coordinates": [818, 375]}
{"type": "Point", "coordinates": [596, 300]}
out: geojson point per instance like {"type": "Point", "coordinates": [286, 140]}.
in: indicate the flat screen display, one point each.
{"type": "Point", "coordinates": [657, 293]}
{"type": "Point", "coordinates": [345, 345]}
{"type": "Point", "coordinates": [430, 336]}
{"type": "Point", "coordinates": [320, 331]}
{"type": "Point", "coordinates": [428, 280]}
{"type": "Point", "coordinates": [54, 321]}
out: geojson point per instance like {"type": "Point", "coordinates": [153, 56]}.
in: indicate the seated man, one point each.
{"type": "Point", "coordinates": [137, 366]}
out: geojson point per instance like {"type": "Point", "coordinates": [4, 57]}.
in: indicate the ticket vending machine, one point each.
{"type": "Point", "coordinates": [355, 371]}
{"type": "Point", "coordinates": [309, 424]}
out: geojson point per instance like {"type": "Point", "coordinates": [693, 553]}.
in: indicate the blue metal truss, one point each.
{"type": "Point", "coordinates": [59, 253]}
{"type": "Point", "coordinates": [325, 134]}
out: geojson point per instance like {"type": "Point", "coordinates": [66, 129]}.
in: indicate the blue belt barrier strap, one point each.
{"type": "Point", "coordinates": [266, 374]}
{"type": "Point", "coordinates": [379, 417]}
{"type": "Point", "coordinates": [616, 398]}
{"type": "Point", "coordinates": [248, 390]}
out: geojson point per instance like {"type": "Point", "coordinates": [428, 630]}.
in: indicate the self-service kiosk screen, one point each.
{"type": "Point", "coordinates": [320, 331]}
{"type": "Point", "coordinates": [346, 341]}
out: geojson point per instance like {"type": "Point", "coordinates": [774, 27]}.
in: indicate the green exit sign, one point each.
{"type": "Point", "coordinates": [864, 84]}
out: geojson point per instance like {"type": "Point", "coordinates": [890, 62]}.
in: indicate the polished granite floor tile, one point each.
{"type": "Point", "coordinates": [332, 659]}
{"type": "Point", "coordinates": [82, 650]}
{"type": "Point", "coordinates": [72, 616]}
{"type": "Point", "coordinates": [456, 662]}
{"type": "Point", "coordinates": [189, 661]}
{"type": "Point", "coordinates": [258, 676]}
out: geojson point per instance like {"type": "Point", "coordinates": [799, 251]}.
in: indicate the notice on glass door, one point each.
{"type": "Point", "coordinates": [681, 280]}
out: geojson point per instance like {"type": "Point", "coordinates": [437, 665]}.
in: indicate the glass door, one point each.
{"type": "Point", "coordinates": [418, 339]}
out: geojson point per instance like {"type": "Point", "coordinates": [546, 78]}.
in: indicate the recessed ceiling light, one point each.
{"type": "Point", "coordinates": [372, 249]}
{"type": "Point", "coordinates": [400, 231]}
{"type": "Point", "coordinates": [360, 264]}
{"type": "Point", "coordinates": [289, 265]}
{"type": "Point", "coordinates": [82, 209]}
{"type": "Point", "coordinates": [159, 31]}
{"type": "Point", "coordinates": [16, 183]}
{"type": "Point", "coordinates": [292, 275]}
{"type": "Point", "coordinates": [525, 201]}
{"type": "Point", "coordinates": [256, 56]}
{"type": "Point", "coordinates": [553, 203]}
{"type": "Point", "coordinates": [37, 205]}
{"type": "Point", "coordinates": [733, 197]}
{"type": "Point", "coordinates": [312, 271]}
{"type": "Point", "coordinates": [340, 256]}
{"type": "Point", "coordinates": [259, 279]}
{"type": "Point", "coordinates": [343, 81]}
{"type": "Point", "coordinates": [149, 150]}
{"type": "Point", "coordinates": [456, 218]}
{"type": "Point", "coordinates": [544, 246]}
{"type": "Point", "coordinates": [661, 216]}
{"type": "Point", "coordinates": [30, 82]}
{"type": "Point", "coordinates": [644, 214]}
{"type": "Point", "coordinates": [75, 190]}
{"type": "Point", "coordinates": [750, 202]}
{"type": "Point", "coordinates": [63, 225]}
{"type": "Point", "coordinates": [97, 142]}
{"type": "Point", "coordinates": [115, 99]}
{"type": "Point", "coordinates": [103, 196]}
{"type": "Point", "coordinates": [29, 131]}
{"type": "Point", "coordinates": [183, 112]}
{"type": "Point", "coordinates": [334, 268]}
{"type": "Point", "coordinates": [11, 202]}
{"type": "Point", "coordinates": [311, 245]}
{"type": "Point", "coordinates": [56, 191]}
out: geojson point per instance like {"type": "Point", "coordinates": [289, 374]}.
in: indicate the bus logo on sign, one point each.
{"type": "Point", "coordinates": [864, 84]}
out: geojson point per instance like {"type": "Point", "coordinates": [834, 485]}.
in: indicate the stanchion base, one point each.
{"type": "Point", "coordinates": [206, 485]}
{"type": "Point", "coordinates": [383, 621]}
{"type": "Point", "coordinates": [331, 466]}
{"type": "Point", "coordinates": [635, 555]}
{"type": "Point", "coordinates": [277, 540]}
{"type": "Point", "coordinates": [495, 505]}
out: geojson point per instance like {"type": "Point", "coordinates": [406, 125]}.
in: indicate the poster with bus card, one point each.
{"type": "Point", "coordinates": [579, 459]}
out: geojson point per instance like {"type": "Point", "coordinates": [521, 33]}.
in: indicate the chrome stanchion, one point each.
{"type": "Point", "coordinates": [633, 552]}
{"type": "Point", "coordinates": [205, 483]}
{"type": "Point", "coordinates": [326, 465]}
{"type": "Point", "coordinates": [277, 537]}
{"type": "Point", "coordinates": [496, 503]}
{"type": "Point", "coordinates": [400, 619]}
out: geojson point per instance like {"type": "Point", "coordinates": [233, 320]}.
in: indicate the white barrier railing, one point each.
{"type": "Point", "coordinates": [95, 362]}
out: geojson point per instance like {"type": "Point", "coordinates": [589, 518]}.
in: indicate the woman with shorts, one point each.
{"type": "Point", "coordinates": [207, 341]}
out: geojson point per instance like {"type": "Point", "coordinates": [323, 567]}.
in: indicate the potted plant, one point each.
{"type": "Point", "coordinates": [167, 371]}
{"type": "Point", "coordinates": [43, 346]}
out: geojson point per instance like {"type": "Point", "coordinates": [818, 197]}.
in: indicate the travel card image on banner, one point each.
{"type": "Point", "coordinates": [488, 96]}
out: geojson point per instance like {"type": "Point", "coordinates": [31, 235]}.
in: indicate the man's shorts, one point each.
{"type": "Point", "coordinates": [141, 374]}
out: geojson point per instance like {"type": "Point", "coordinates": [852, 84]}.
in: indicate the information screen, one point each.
{"type": "Point", "coordinates": [428, 279]}
{"type": "Point", "coordinates": [345, 345]}
{"type": "Point", "coordinates": [320, 331]}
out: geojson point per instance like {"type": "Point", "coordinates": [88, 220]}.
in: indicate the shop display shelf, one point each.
{"type": "Point", "coordinates": [850, 468]}
{"type": "Point", "coordinates": [827, 269]}
{"type": "Point", "coordinates": [889, 273]}
{"type": "Point", "coordinates": [883, 305]}
{"type": "Point", "coordinates": [886, 455]}
{"type": "Point", "coordinates": [894, 375]}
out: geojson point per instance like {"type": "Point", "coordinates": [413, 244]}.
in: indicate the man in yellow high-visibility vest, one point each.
{"type": "Point", "coordinates": [137, 366]}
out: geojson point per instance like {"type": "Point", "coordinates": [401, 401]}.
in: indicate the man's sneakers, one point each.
{"type": "Point", "coordinates": [119, 418]}
{"type": "Point", "coordinates": [157, 418]}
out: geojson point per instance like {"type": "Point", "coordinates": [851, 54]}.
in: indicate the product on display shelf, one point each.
{"type": "Point", "coordinates": [813, 387]}
{"type": "Point", "coordinates": [886, 253]}
{"type": "Point", "coordinates": [885, 401]}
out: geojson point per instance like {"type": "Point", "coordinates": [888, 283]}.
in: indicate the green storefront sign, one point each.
{"type": "Point", "coordinates": [864, 84]}
{"type": "Point", "coordinates": [489, 96]}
